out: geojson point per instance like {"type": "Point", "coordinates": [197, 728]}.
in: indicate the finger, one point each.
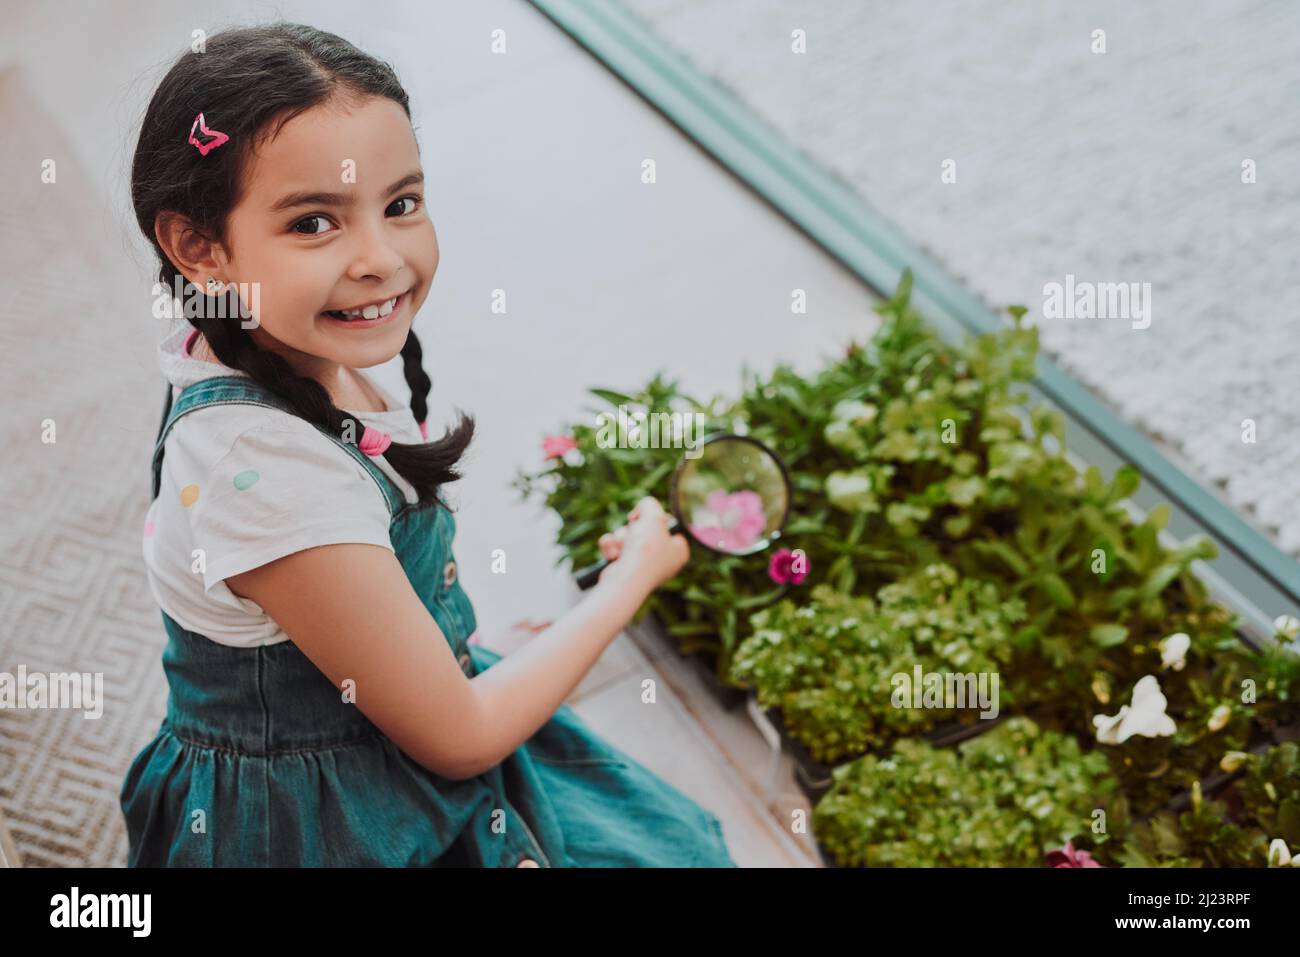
{"type": "Point", "coordinates": [610, 547]}
{"type": "Point", "coordinates": [647, 506]}
{"type": "Point", "coordinates": [683, 546]}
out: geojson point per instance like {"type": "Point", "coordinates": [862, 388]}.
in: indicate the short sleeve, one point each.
{"type": "Point", "coordinates": [257, 490]}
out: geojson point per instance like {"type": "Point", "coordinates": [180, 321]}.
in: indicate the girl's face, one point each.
{"type": "Point", "coordinates": [332, 218]}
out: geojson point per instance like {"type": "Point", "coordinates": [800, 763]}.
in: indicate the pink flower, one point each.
{"type": "Point", "coordinates": [781, 568]}
{"type": "Point", "coordinates": [1069, 857]}
{"type": "Point", "coordinates": [553, 446]}
{"type": "Point", "coordinates": [730, 522]}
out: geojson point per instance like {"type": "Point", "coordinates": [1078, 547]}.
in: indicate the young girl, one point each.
{"type": "Point", "coordinates": [327, 706]}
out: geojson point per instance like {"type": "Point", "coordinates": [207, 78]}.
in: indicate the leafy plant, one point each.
{"type": "Point", "coordinates": [1203, 836]}
{"type": "Point", "coordinates": [1270, 792]}
{"type": "Point", "coordinates": [830, 664]}
{"type": "Point", "coordinates": [908, 454]}
{"type": "Point", "coordinates": [1003, 799]}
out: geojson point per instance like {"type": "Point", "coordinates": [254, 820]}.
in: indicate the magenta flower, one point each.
{"type": "Point", "coordinates": [781, 568]}
{"type": "Point", "coordinates": [1069, 857]}
{"type": "Point", "coordinates": [553, 446]}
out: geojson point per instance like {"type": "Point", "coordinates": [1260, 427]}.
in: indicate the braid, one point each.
{"type": "Point", "coordinates": [426, 466]}
{"type": "Point", "coordinates": [416, 377]}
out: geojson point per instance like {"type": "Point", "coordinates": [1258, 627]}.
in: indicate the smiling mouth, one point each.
{"type": "Point", "coordinates": [374, 310]}
{"type": "Point", "coordinates": [371, 314]}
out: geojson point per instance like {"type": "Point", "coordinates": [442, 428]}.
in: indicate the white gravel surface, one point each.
{"type": "Point", "coordinates": [1123, 166]}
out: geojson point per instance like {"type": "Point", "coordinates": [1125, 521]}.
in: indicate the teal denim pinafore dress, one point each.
{"type": "Point", "coordinates": [286, 773]}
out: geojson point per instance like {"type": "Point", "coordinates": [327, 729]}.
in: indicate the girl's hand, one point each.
{"type": "Point", "coordinates": [644, 547]}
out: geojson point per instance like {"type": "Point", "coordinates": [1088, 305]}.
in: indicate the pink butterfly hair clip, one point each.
{"type": "Point", "coordinates": [216, 137]}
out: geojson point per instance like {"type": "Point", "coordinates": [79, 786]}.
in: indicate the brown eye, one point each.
{"type": "Point", "coordinates": [397, 203]}
{"type": "Point", "coordinates": [307, 221]}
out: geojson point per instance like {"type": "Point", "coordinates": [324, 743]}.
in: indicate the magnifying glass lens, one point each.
{"type": "Point", "coordinates": [734, 497]}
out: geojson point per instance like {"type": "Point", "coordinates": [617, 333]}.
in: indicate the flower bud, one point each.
{"type": "Point", "coordinates": [1278, 854]}
{"type": "Point", "coordinates": [1232, 761]}
{"type": "Point", "coordinates": [1219, 718]}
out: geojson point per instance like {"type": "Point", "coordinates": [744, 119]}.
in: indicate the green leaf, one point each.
{"type": "Point", "coordinates": [1006, 553]}
{"type": "Point", "coordinates": [1126, 482]}
{"type": "Point", "coordinates": [687, 628]}
{"type": "Point", "coordinates": [1122, 598]}
{"type": "Point", "coordinates": [1288, 822]}
{"type": "Point", "coordinates": [578, 530]}
{"type": "Point", "coordinates": [612, 397]}
{"type": "Point", "coordinates": [693, 593]}
{"type": "Point", "coordinates": [806, 526]}
{"type": "Point", "coordinates": [903, 291]}
{"type": "Point", "coordinates": [1057, 590]}
{"type": "Point", "coordinates": [1107, 636]}
{"type": "Point", "coordinates": [755, 601]}
{"type": "Point", "coordinates": [1159, 580]}
{"type": "Point", "coordinates": [1092, 481]}
{"type": "Point", "coordinates": [1158, 517]}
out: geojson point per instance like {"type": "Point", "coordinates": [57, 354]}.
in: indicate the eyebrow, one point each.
{"type": "Point", "coordinates": [340, 199]}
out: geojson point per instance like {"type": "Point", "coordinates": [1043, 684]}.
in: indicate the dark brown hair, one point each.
{"type": "Point", "coordinates": [249, 82]}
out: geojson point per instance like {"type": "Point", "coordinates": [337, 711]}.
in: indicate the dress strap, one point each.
{"type": "Point", "coordinates": [243, 390]}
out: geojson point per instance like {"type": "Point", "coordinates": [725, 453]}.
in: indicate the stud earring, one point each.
{"type": "Point", "coordinates": [215, 285]}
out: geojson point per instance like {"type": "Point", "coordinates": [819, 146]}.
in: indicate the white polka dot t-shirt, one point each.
{"type": "Point", "coordinates": [243, 485]}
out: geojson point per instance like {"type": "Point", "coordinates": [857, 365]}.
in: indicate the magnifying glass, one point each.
{"type": "Point", "coordinates": [733, 498]}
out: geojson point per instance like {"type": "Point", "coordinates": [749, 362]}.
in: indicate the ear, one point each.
{"type": "Point", "coordinates": [196, 256]}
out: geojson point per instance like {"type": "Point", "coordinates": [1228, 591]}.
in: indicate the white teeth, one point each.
{"type": "Point", "coordinates": [371, 312]}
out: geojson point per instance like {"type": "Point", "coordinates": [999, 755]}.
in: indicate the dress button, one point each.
{"type": "Point", "coordinates": [465, 664]}
{"type": "Point", "coordinates": [528, 862]}
{"type": "Point", "coordinates": [449, 574]}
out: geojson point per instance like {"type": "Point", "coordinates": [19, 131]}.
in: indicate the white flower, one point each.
{"type": "Point", "coordinates": [573, 458]}
{"type": "Point", "coordinates": [850, 491]}
{"type": "Point", "coordinates": [851, 410]}
{"type": "Point", "coordinates": [1173, 651]}
{"type": "Point", "coordinates": [1278, 854]}
{"type": "Point", "coordinates": [1146, 716]}
{"type": "Point", "coordinates": [1219, 718]}
{"type": "Point", "coordinates": [1288, 626]}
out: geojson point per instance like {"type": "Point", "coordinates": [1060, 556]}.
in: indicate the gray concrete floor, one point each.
{"type": "Point", "coordinates": [533, 160]}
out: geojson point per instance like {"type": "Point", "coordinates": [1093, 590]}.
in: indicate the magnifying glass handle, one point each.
{"type": "Point", "coordinates": [591, 574]}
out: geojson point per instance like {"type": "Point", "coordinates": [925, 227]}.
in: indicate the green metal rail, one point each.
{"type": "Point", "coordinates": [1251, 573]}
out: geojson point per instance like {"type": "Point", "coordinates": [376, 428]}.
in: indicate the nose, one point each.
{"type": "Point", "coordinates": [375, 256]}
